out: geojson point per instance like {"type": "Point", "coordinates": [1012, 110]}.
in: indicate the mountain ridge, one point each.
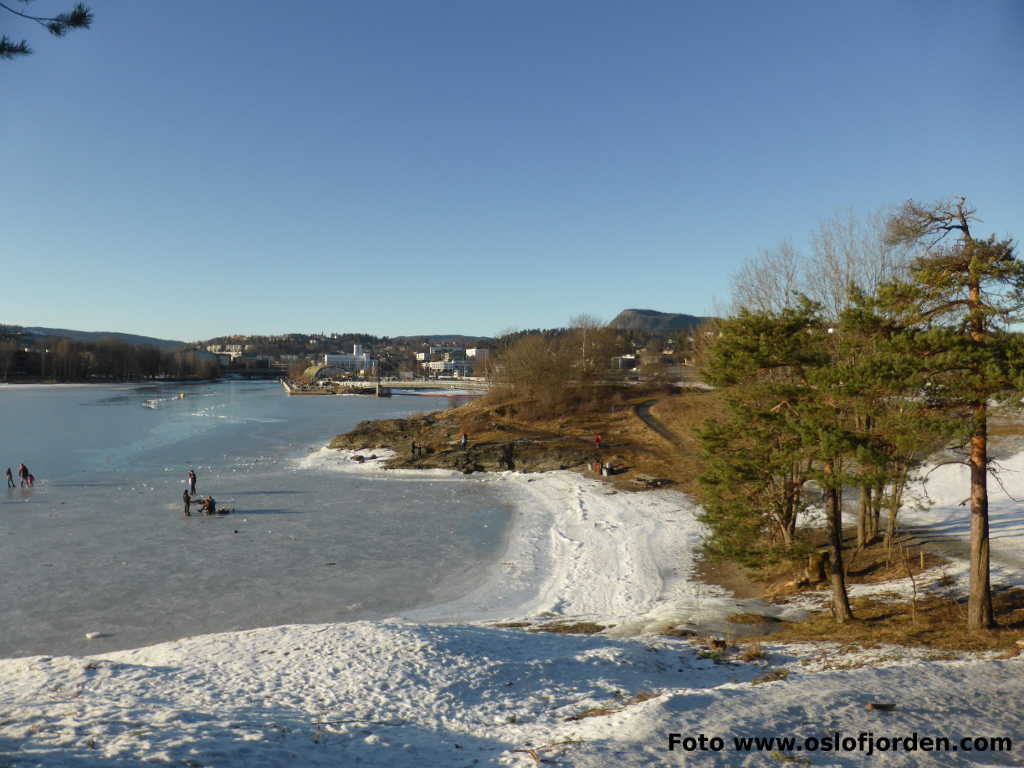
{"type": "Point", "coordinates": [656, 322]}
{"type": "Point", "coordinates": [127, 338]}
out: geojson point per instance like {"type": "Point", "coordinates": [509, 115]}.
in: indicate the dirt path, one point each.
{"type": "Point", "coordinates": [643, 411]}
{"type": "Point", "coordinates": [955, 546]}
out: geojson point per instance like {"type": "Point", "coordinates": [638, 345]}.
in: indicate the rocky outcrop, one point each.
{"type": "Point", "coordinates": [435, 447]}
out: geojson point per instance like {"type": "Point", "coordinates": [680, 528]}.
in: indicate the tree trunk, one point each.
{"type": "Point", "coordinates": [876, 511]}
{"type": "Point", "coordinates": [791, 506]}
{"type": "Point", "coordinates": [834, 513]}
{"type": "Point", "coordinates": [864, 516]}
{"type": "Point", "coordinates": [890, 525]}
{"type": "Point", "coordinates": [979, 603]}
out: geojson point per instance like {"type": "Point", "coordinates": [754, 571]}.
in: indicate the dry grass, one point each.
{"type": "Point", "coordinates": [627, 441]}
{"type": "Point", "coordinates": [749, 618]}
{"type": "Point", "coordinates": [679, 632]}
{"type": "Point", "coordinates": [610, 709]}
{"type": "Point", "coordinates": [941, 624]}
{"type": "Point", "coordinates": [771, 676]}
{"type": "Point", "coordinates": [571, 628]}
{"type": "Point", "coordinates": [753, 652]}
{"type": "Point", "coordinates": [873, 564]}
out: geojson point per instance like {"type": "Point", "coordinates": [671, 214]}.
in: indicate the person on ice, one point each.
{"type": "Point", "coordinates": [10, 478]}
{"type": "Point", "coordinates": [188, 503]}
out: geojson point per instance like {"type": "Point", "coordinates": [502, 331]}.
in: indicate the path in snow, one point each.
{"type": "Point", "coordinates": [954, 545]}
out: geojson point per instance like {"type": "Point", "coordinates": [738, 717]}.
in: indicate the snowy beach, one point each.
{"type": "Point", "coordinates": [444, 687]}
{"type": "Point", "coordinates": [577, 548]}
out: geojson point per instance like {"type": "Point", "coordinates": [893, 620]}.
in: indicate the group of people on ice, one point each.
{"type": "Point", "coordinates": [27, 478]}
{"type": "Point", "coordinates": [207, 506]}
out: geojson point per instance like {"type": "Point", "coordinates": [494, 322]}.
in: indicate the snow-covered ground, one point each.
{"type": "Point", "coordinates": [443, 687]}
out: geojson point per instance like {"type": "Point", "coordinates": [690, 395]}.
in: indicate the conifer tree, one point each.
{"type": "Point", "coordinates": [755, 469]}
{"type": "Point", "coordinates": [898, 432]}
{"type": "Point", "coordinates": [954, 308]}
{"type": "Point", "coordinates": [786, 427]}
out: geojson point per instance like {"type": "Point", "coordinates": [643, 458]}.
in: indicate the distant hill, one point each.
{"type": "Point", "coordinates": [127, 338]}
{"type": "Point", "coordinates": [655, 322]}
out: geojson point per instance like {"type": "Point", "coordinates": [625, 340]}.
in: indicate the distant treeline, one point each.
{"type": "Point", "coordinates": [628, 338]}
{"type": "Point", "coordinates": [64, 360]}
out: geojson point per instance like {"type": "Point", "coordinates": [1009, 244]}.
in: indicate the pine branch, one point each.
{"type": "Point", "coordinates": [79, 17]}
{"type": "Point", "coordinates": [9, 49]}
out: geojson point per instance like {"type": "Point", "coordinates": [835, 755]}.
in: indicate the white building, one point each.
{"type": "Point", "coordinates": [446, 352]}
{"type": "Point", "coordinates": [449, 368]}
{"type": "Point", "coordinates": [358, 362]}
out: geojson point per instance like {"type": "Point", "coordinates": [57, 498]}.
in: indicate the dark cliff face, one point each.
{"type": "Point", "coordinates": [655, 322]}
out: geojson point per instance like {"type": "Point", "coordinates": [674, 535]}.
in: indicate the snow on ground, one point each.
{"type": "Point", "coordinates": [442, 688]}
{"type": "Point", "coordinates": [936, 514]}
{"type": "Point", "coordinates": [942, 506]}
{"type": "Point", "coordinates": [578, 549]}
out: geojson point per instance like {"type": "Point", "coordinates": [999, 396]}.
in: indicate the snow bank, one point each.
{"type": "Point", "coordinates": [414, 695]}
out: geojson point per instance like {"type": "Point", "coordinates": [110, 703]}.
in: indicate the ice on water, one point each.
{"type": "Point", "coordinates": [100, 545]}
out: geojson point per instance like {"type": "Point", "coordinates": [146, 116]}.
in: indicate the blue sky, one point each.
{"type": "Point", "coordinates": [192, 169]}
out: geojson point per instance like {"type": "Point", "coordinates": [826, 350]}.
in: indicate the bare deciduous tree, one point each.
{"type": "Point", "coordinates": [769, 282]}
{"type": "Point", "coordinates": [847, 251]}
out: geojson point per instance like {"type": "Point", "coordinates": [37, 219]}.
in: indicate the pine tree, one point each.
{"type": "Point", "coordinates": [954, 309]}
{"type": "Point", "coordinates": [898, 432]}
{"type": "Point", "coordinates": [786, 427]}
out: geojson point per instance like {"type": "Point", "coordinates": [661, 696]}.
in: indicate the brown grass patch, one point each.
{"type": "Point", "coordinates": [613, 708]}
{"type": "Point", "coordinates": [751, 618]}
{"type": "Point", "coordinates": [753, 652]}
{"type": "Point", "coordinates": [679, 632]}
{"type": "Point", "coordinates": [633, 446]}
{"type": "Point", "coordinates": [571, 628]}
{"type": "Point", "coordinates": [873, 564]}
{"type": "Point", "coordinates": [941, 624]}
{"type": "Point", "coordinates": [771, 676]}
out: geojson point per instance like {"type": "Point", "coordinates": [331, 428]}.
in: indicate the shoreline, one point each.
{"type": "Point", "coordinates": [407, 694]}
{"type": "Point", "coordinates": [576, 549]}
